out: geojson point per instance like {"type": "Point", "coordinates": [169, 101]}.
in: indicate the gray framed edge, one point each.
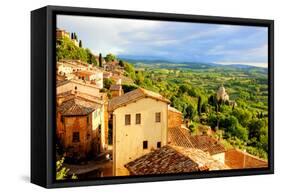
{"type": "Point", "coordinates": [43, 93]}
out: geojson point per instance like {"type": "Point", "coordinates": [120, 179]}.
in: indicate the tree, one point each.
{"type": "Point", "coordinates": [139, 78]}
{"type": "Point", "coordinates": [128, 88]}
{"type": "Point", "coordinates": [231, 125]}
{"type": "Point", "coordinates": [190, 111]}
{"type": "Point", "coordinates": [183, 88]}
{"type": "Point", "coordinates": [256, 126]}
{"type": "Point", "coordinates": [80, 44]}
{"type": "Point", "coordinates": [205, 108]}
{"type": "Point", "coordinates": [212, 121]}
{"type": "Point", "coordinates": [107, 83]}
{"type": "Point", "coordinates": [199, 105]}
{"type": "Point", "coordinates": [121, 63]}
{"type": "Point", "coordinates": [90, 57]}
{"type": "Point", "coordinates": [75, 36]}
{"type": "Point", "coordinates": [100, 60]}
{"type": "Point", "coordinates": [244, 116]}
{"type": "Point", "coordinates": [61, 171]}
{"type": "Point", "coordinates": [110, 57]}
{"type": "Point", "coordinates": [130, 70]}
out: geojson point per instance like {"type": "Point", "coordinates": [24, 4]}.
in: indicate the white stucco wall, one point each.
{"type": "Point", "coordinates": [84, 88]}
{"type": "Point", "coordinates": [128, 139]}
{"type": "Point", "coordinates": [98, 119]}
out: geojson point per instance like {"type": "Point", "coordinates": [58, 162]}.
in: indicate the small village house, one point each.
{"type": "Point", "coordinates": [60, 33]}
{"type": "Point", "coordinates": [140, 122]}
{"type": "Point", "coordinates": [78, 85]}
{"type": "Point", "coordinates": [80, 125]}
{"type": "Point", "coordinates": [116, 89]}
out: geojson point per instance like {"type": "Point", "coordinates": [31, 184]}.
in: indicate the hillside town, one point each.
{"type": "Point", "coordinates": [103, 130]}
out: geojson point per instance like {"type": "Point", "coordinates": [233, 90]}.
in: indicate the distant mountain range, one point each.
{"type": "Point", "coordinates": [140, 61]}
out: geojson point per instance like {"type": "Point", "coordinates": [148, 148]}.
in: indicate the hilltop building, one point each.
{"type": "Point", "coordinates": [139, 120]}
{"type": "Point", "coordinates": [222, 94]}
{"type": "Point", "coordinates": [60, 33]}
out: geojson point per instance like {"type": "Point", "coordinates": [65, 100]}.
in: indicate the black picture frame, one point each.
{"type": "Point", "coordinates": [43, 93]}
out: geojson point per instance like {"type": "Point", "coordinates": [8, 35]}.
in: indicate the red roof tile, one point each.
{"type": "Point", "coordinates": [173, 159]}
{"type": "Point", "coordinates": [181, 137]}
{"type": "Point", "coordinates": [133, 96]}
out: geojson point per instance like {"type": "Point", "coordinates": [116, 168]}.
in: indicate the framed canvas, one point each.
{"type": "Point", "coordinates": [126, 96]}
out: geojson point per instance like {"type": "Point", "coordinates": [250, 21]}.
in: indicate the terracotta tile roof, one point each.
{"type": "Point", "coordinates": [203, 159]}
{"type": "Point", "coordinates": [115, 87]}
{"type": "Point", "coordinates": [163, 160]}
{"type": "Point", "coordinates": [207, 144]}
{"type": "Point", "coordinates": [76, 81]}
{"type": "Point", "coordinates": [85, 72]}
{"type": "Point", "coordinates": [77, 107]}
{"type": "Point", "coordinates": [181, 137]}
{"type": "Point", "coordinates": [133, 96]}
{"type": "Point", "coordinates": [173, 159]}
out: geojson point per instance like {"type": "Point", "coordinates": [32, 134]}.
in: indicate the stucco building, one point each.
{"type": "Point", "coordinates": [140, 122]}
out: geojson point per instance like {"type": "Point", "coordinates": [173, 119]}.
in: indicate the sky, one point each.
{"type": "Point", "coordinates": [172, 41]}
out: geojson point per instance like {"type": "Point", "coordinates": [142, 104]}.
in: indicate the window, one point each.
{"type": "Point", "coordinates": [128, 119]}
{"type": "Point", "coordinates": [158, 117]}
{"type": "Point", "coordinates": [75, 137]}
{"type": "Point", "coordinates": [159, 144]}
{"type": "Point", "coordinates": [138, 118]}
{"type": "Point", "coordinates": [144, 144]}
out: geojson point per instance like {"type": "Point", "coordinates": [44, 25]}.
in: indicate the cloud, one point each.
{"type": "Point", "coordinates": [178, 41]}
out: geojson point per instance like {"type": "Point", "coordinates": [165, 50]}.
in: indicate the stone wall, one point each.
{"type": "Point", "coordinates": [174, 119]}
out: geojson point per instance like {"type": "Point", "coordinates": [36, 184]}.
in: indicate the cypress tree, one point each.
{"type": "Point", "coordinates": [199, 105]}
{"type": "Point", "coordinates": [100, 60]}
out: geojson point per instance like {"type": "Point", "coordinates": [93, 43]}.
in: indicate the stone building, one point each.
{"type": "Point", "coordinates": [60, 33]}
{"type": "Point", "coordinates": [116, 90]}
{"type": "Point", "coordinates": [222, 94]}
{"type": "Point", "coordinates": [140, 121]}
{"type": "Point", "coordinates": [80, 125]}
